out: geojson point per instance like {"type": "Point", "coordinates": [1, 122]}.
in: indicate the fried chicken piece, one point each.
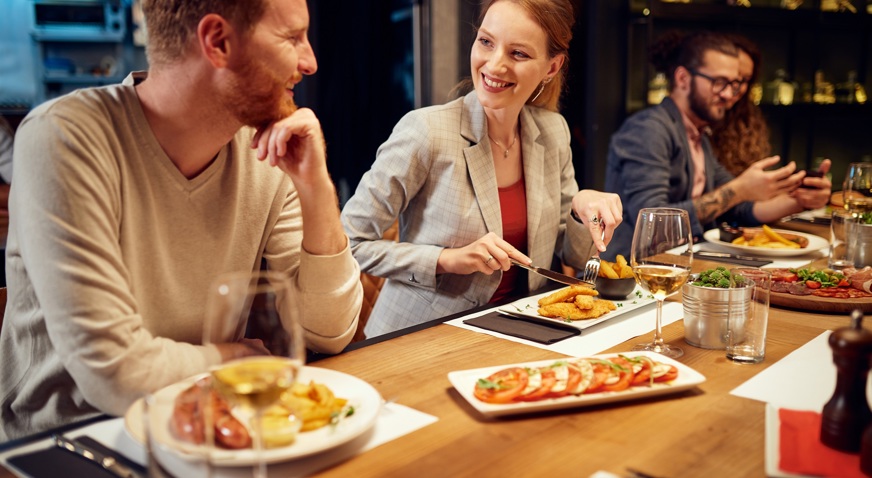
{"type": "Point", "coordinates": [584, 302]}
{"type": "Point", "coordinates": [566, 295]}
{"type": "Point", "coordinates": [561, 310]}
{"type": "Point", "coordinates": [569, 311]}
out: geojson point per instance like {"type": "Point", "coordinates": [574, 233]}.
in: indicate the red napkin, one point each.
{"type": "Point", "coordinates": [803, 453]}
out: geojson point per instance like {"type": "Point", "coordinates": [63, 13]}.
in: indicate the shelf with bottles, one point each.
{"type": "Point", "coordinates": [821, 92]}
{"type": "Point", "coordinates": [750, 12]}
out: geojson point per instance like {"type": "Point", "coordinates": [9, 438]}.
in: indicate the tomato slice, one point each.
{"type": "Point", "coordinates": [664, 376]}
{"type": "Point", "coordinates": [567, 380]}
{"type": "Point", "coordinates": [601, 372]}
{"type": "Point", "coordinates": [620, 377]}
{"type": "Point", "coordinates": [548, 379]}
{"type": "Point", "coordinates": [813, 284]}
{"type": "Point", "coordinates": [642, 370]}
{"type": "Point", "coordinates": [502, 386]}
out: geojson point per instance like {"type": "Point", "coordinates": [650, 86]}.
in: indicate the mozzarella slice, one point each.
{"type": "Point", "coordinates": [586, 371]}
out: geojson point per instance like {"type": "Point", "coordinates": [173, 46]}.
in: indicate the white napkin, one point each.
{"type": "Point", "coordinates": [594, 339]}
{"type": "Point", "coordinates": [803, 380]}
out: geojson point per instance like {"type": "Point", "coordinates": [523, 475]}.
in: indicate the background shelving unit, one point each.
{"type": "Point", "coordinates": [77, 45]}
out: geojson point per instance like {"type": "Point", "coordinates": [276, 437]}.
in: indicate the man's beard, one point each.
{"type": "Point", "coordinates": [701, 107]}
{"type": "Point", "coordinates": [256, 96]}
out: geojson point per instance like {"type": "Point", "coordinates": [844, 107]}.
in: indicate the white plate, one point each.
{"type": "Point", "coordinates": [530, 305]}
{"type": "Point", "coordinates": [814, 243]}
{"type": "Point", "coordinates": [464, 381]}
{"type": "Point", "coordinates": [365, 399]}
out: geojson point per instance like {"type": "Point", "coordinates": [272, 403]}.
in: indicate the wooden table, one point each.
{"type": "Point", "coordinates": [701, 432]}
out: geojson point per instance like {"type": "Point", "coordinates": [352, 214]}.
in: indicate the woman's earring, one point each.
{"type": "Point", "coordinates": [541, 87]}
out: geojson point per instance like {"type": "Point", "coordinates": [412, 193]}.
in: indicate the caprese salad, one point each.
{"type": "Point", "coordinates": [576, 376]}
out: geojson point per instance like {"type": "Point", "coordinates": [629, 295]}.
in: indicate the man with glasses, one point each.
{"type": "Point", "coordinates": [662, 157]}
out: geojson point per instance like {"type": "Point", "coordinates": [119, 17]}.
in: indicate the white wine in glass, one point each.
{"type": "Point", "coordinates": [257, 309]}
{"type": "Point", "coordinates": [659, 230]}
{"type": "Point", "coordinates": [857, 191]}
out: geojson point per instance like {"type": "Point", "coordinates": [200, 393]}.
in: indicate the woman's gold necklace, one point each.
{"type": "Point", "coordinates": [506, 152]}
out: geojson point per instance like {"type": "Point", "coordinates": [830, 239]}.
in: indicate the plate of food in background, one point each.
{"type": "Point", "coordinates": [767, 242]}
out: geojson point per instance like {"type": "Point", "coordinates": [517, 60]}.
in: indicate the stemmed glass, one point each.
{"type": "Point", "coordinates": [659, 230]}
{"type": "Point", "coordinates": [246, 307]}
{"type": "Point", "coordinates": [857, 191]}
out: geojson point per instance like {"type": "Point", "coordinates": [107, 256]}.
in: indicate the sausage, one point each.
{"type": "Point", "coordinates": [187, 422]}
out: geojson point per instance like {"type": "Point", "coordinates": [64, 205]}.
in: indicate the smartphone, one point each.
{"type": "Point", "coordinates": [811, 173]}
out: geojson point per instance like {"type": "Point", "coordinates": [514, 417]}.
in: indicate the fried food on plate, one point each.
{"type": "Point", "coordinates": [567, 294]}
{"type": "Point", "coordinates": [562, 310]}
{"type": "Point", "coordinates": [584, 302]}
{"type": "Point", "coordinates": [314, 404]}
{"type": "Point", "coordinates": [574, 303]}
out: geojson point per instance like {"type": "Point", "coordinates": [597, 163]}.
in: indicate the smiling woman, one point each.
{"type": "Point", "coordinates": [480, 181]}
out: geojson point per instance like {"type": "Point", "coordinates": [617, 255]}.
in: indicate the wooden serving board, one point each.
{"type": "Point", "coordinates": [814, 303]}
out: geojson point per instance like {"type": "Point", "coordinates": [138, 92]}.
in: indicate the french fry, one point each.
{"type": "Point", "coordinates": [771, 234]}
{"type": "Point", "coordinates": [626, 271]}
{"type": "Point", "coordinates": [606, 268]}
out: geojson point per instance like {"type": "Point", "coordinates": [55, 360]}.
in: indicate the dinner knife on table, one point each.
{"type": "Point", "coordinates": [555, 276]}
{"type": "Point", "coordinates": [726, 257]}
{"type": "Point", "coordinates": [105, 461]}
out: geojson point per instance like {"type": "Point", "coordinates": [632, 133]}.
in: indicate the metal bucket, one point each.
{"type": "Point", "coordinates": [858, 239]}
{"type": "Point", "coordinates": [706, 311]}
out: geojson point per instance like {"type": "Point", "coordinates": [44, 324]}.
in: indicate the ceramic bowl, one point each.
{"type": "Point", "coordinates": [615, 289]}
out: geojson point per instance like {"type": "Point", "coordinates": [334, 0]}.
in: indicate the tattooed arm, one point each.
{"type": "Point", "coordinates": [713, 204]}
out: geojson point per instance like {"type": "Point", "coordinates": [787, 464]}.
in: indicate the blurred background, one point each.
{"type": "Point", "coordinates": [379, 59]}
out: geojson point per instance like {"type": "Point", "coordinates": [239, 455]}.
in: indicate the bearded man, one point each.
{"type": "Point", "coordinates": [662, 157]}
{"type": "Point", "coordinates": [130, 199]}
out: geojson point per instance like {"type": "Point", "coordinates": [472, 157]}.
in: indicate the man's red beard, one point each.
{"type": "Point", "coordinates": [257, 96]}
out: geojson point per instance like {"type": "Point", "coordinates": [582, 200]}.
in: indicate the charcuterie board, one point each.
{"type": "Point", "coordinates": [814, 303]}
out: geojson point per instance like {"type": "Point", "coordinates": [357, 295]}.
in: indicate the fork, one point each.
{"type": "Point", "coordinates": [591, 269]}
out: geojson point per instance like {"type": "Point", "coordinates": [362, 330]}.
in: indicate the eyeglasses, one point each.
{"type": "Point", "coordinates": [720, 83]}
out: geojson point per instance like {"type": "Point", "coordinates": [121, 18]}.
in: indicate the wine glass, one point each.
{"type": "Point", "coordinates": [257, 311]}
{"type": "Point", "coordinates": [659, 230]}
{"type": "Point", "coordinates": [857, 191]}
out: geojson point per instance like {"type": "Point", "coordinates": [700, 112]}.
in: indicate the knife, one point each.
{"type": "Point", "coordinates": [108, 463]}
{"type": "Point", "coordinates": [725, 255]}
{"type": "Point", "coordinates": [555, 276]}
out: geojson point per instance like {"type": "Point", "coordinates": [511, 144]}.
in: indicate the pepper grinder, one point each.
{"type": "Point", "coordinates": [847, 414]}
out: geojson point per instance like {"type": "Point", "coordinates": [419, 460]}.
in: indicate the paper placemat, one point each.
{"type": "Point", "coordinates": [778, 384]}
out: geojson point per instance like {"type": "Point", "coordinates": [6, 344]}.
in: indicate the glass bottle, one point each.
{"type": "Point", "coordinates": [658, 88]}
{"type": "Point", "coordinates": [824, 92]}
{"type": "Point", "coordinates": [845, 92]}
{"type": "Point", "coordinates": [779, 91]}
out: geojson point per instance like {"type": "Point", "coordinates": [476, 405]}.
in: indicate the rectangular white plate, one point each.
{"type": "Point", "coordinates": [530, 305]}
{"type": "Point", "coordinates": [464, 381]}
